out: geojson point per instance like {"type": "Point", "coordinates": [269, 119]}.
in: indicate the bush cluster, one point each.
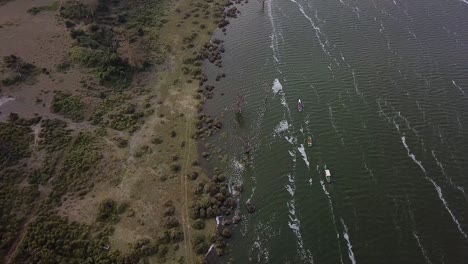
{"type": "Point", "coordinates": [68, 105]}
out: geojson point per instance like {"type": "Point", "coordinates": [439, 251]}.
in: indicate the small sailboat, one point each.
{"type": "Point", "coordinates": [300, 106]}
{"type": "Point", "coordinates": [309, 141]}
{"type": "Point", "coordinates": [327, 174]}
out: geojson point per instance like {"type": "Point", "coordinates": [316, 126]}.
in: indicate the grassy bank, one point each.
{"type": "Point", "coordinates": [115, 175]}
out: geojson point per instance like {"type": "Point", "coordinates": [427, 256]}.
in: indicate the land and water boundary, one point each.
{"type": "Point", "coordinates": [100, 113]}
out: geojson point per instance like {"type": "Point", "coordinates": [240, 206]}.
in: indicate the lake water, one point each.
{"type": "Point", "coordinates": [385, 92]}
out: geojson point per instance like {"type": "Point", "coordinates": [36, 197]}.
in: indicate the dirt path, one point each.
{"type": "Point", "coordinates": [44, 191]}
{"type": "Point", "coordinates": [185, 189]}
{"type": "Point", "coordinates": [22, 233]}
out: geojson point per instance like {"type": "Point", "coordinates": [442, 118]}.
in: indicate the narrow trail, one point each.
{"type": "Point", "coordinates": [185, 214]}
{"type": "Point", "coordinates": [43, 194]}
{"type": "Point", "coordinates": [23, 231]}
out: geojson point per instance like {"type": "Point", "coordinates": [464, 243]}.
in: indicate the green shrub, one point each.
{"type": "Point", "coordinates": [38, 9]}
{"type": "Point", "coordinates": [20, 70]}
{"type": "Point", "coordinates": [198, 224]}
{"type": "Point", "coordinates": [75, 10]}
{"type": "Point", "coordinates": [200, 244]}
{"type": "Point", "coordinates": [109, 211]}
{"type": "Point", "coordinates": [15, 143]}
{"type": "Point", "coordinates": [54, 135]}
{"type": "Point", "coordinates": [108, 67]}
{"type": "Point", "coordinates": [68, 105]}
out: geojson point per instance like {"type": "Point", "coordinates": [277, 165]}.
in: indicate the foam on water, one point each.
{"type": "Point", "coordinates": [411, 155]}
{"type": "Point", "coordinates": [282, 126]}
{"type": "Point", "coordinates": [459, 88]}
{"type": "Point", "coordinates": [371, 173]}
{"type": "Point", "coordinates": [348, 242]}
{"type": "Point", "coordinates": [436, 187]}
{"type": "Point", "coordinates": [440, 166]}
{"type": "Point", "coordinates": [332, 212]}
{"type": "Point", "coordinates": [408, 125]}
{"type": "Point", "coordinates": [263, 253]}
{"type": "Point", "coordinates": [274, 35]}
{"type": "Point", "coordinates": [318, 33]}
{"type": "Point", "coordinates": [291, 139]}
{"type": "Point", "coordinates": [295, 225]}
{"type": "Point", "coordinates": [423, 251]}
{"type": "Point", "coordinates": [441, 197]}
{"type": "Point", "coordinates": [355, 83]}
{"type": "Point", "coordinates": [277, 87]}
{"type": "Point", "coordinates": [304, 155]}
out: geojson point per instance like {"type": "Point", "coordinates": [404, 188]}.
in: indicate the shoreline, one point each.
{"type": "Point", "coordinates": [153, 160]}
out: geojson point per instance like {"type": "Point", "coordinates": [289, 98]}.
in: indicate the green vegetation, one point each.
{"type": "Point", "coordinates": [52, 239]}
{"type": "Point", "coordinates": [38, 9]}
{"type": "Point", "coordinates": [109, 211]}
{"type": "Point", "coordinates": [114, 50]}
{"type": "Point", "coordinates": [75, 10]}
{"type": "Point", "coordinates": [77, 168]}
{"type": "Point", "coordinates": [108, 67]}
{"type": "Point", "coordinates": [114, 113]}
{"type": "Point", "coordinates": [68, 105]}
{"type": "Point", "coordinates": [54, 135]}
{"type": "Point", "coordinates": [20, 71]}
{"type": "Point", "coordinates": [198, 224]}
{"type": "Point", "coordinates": [15, 141]}
{"type": "Point", "coordinates": [200, 244]}
{"type": "Point", "coordinates": [15, 205]}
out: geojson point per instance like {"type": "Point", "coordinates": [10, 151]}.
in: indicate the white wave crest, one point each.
{"type": "Point", "coordinates": [423, 251]}
{"type": "Point", "coordinates": [282, 126]}
{"type": "Point", "coordinates": [348, 241]}
{"type": "Point", "coordinates": [274, 34]}
{"type": "Point", "coordinates": [304, 155]}
{"type": "Point", "coordinates": [355, 83]}
{"type": "Point", "coordinates": [411, 155]}
{"type": "Point", "coordinates": [332, 212]}
{"type": "Point", "coordinates": [318, 33]}
{"type": "Point", "coordinates": [441, 197]}
{"type": "Point", "coordinates": [437, 187]}
{"type": "Point", "coordinates": [277, 87]}
{"type": "Point", "coordinates": [459, 88]}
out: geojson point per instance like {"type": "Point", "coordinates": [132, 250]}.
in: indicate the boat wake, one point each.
{"type": "Point", "coordinates": [304, 155]}
{"type": "Point", "coordinates": [436, 187]}
{"type": "Point", "coordinates": [330, 205]}
{"type": "Point", "coordinates": [320, 36]}
{"type": "Point", "coordinates": [294, 223]}
{"type": "Point", "coordinates": [441, 197]}
{"type": "Point", "coordinates": [350, 247]}
{"type": "Point", "coordinates": [259, 250]}
{"type": "Point", "coordinates": [423, 251]}
{"type": "Point", "coordinates": [282, 127]}
{"type": "Point", "coordinates": [459, 88]}
{"type": "Point", "coordinates": [355, 83]}
{"type": "Point", "coordinates": [274, 45]}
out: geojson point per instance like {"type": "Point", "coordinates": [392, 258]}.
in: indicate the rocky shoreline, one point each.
{"type": "Point", "coordinates": [224, 202]}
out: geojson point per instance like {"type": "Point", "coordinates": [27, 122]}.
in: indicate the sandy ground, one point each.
{"type": "Point", "coordinates": [42, 40]}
